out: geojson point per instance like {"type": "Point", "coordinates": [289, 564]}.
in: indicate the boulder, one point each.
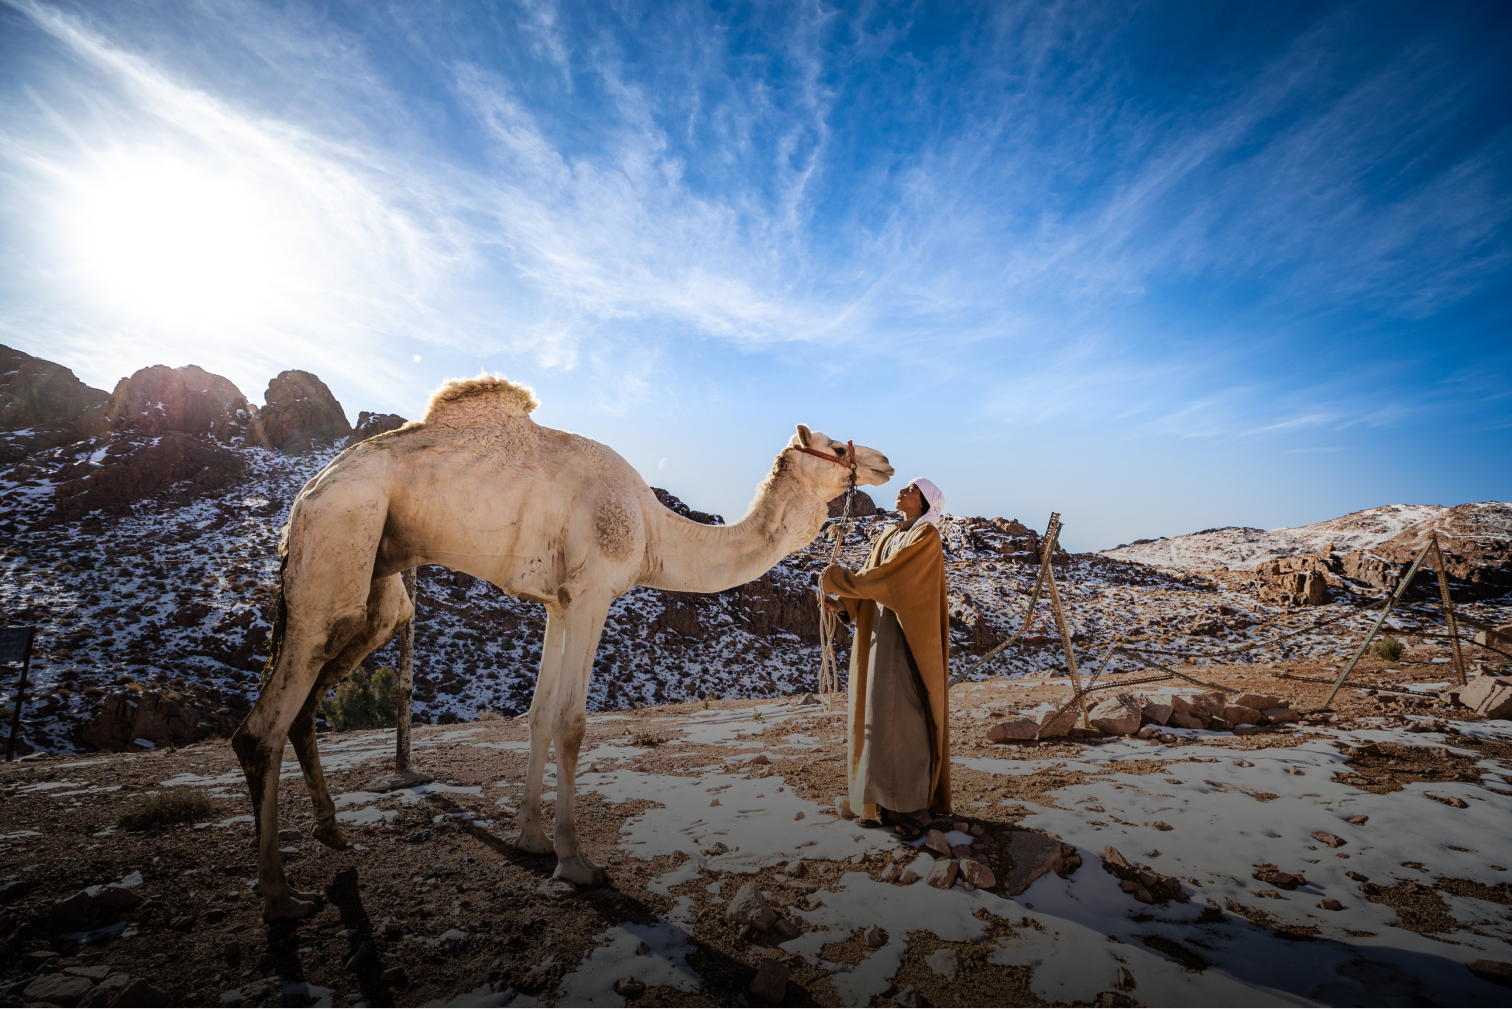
{"type": "Point", "coordinates": [935, 842]}
{"type": "Point", "coordinates": [1332, 840]}
{"type": "Point", "coordinates": [843, 807]}
{"type": "Point", "coordinates": [1490, 696]}
{"type": "Point", "coordinates": [1019, 728]}
{"type": "Point", "coordinates": [1186, 722]}
{"type": "Point", "coordinates": [1117, 716]}
{"type": "Point", "coordinates": [977, 874]}
{"type": "Point", "coordinates": [1258, 701]}
{"type": "Point", "coordinates": [1208, 705]}
{"type": "Point", "coordinates": [370, 424]}
{"type": "Point", "coordinates": [298, 410]}
{"type": "Point", "coordinates": [942, 874]}
{"type": "Point", "coordinates": [771, 980]}
{"type": "Point", "coordinates": [1058, 723]}
{"type": "Point", "coordinates": [1500, 637]}
{"type": "Point", "coordinates": [189, 400]}
{"type": "Point", "coordinates": [1156, 712]}
{"type": "Point", "coordinates": [124, 717]}
{"type": "Point", "coordinates": [1278, 715]}
{"type": "Point", "coordinates": [139, 993]}
{"type": "Point", "coordinates": [749, 907]}
{"type": "Point", "coordinates": [862, 506]}
{"type": "Point", "coordinates": [57, 990]}
{"type": "Point", "coordinates": [1239, 714]}
{"type": "Point", "coordinates": [1033, 854]}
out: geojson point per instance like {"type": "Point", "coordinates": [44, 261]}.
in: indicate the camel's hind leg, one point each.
{"type": "Point", "coordinates": [585, 623]}
{"type": "Point", "coordinates": [333, 538]}
{"type": "Point", "coordinates": [542, 705]}
{"type": "Point", "coordinates": [388, 607]}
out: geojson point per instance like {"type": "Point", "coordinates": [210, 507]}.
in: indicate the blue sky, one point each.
{"type": "Point", "coordinates": [1157, 266]}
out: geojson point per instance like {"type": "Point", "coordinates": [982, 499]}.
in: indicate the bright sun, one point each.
{"type": "Point", "coordinates": [172, 244]}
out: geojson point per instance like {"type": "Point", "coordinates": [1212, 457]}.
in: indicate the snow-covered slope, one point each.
{"type": "Point", "coordinates": [1239, 548]}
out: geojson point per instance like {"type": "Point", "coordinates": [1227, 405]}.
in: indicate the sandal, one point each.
{"type": "Point", "coordinates": [908, 831]}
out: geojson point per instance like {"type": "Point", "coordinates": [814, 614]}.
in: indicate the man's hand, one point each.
{"type": "Point", "coordinates": [832, 604]}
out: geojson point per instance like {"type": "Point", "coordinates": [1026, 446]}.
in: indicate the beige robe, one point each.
{"type": "Point", "coordinates": [903, 582]}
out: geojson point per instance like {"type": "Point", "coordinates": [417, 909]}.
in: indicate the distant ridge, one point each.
{"type": "Point", "coordinates": [1241, 548]}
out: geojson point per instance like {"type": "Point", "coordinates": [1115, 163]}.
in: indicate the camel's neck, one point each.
{"type": "Point", "coordinates": [685, 556]}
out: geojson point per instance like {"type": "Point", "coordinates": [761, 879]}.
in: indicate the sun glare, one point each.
{"type": "Point", "coordinates": [174, 244]}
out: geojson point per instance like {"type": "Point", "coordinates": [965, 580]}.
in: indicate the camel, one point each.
{"type": "Point", "coordinates": [546, 515]}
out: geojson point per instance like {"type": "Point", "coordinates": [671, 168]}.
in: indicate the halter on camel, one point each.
{"type": "Point", "coordinates": [829, 669]}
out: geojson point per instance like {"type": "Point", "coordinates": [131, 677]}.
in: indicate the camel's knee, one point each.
{"type": "Point", "coordinates": [569, 732]}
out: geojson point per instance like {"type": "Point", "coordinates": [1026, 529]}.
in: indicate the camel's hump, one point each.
{"type": "Point", "coordinates": [470, 399]}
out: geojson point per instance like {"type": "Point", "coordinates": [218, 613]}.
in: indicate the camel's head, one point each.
{"type": "Point", "coordinates": [872, 466]}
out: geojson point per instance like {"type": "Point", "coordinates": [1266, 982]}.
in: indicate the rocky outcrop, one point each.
{"type": "Point", "coordinates": [1292, 581]}
{"type": "Point", "coordinates": [125, 717]}
{"type": "Point", "coordinates": [298, 410]}
{"type": "Point", "coordinates": [672, 503]}
{"type": "Point", "coordinates": [42, 405]}
{"type": "Point", "coordinates": [861, 506]}
{"type": "Point", "coordinates": [370, 424]}
{"type": "Point", "coordinates": [135, 467]}
{"type": "Point", "coordinates": [188, 400]}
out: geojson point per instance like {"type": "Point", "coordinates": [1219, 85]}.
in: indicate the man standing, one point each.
{"type": "Point", "coordinates": [899, 715]}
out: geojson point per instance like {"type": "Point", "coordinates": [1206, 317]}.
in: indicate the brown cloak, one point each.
{"type": "Point", "coordinates": [911, 584]}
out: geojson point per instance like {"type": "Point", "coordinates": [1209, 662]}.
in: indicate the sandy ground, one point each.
{"type": "Point", "coordinates": [683, 824]}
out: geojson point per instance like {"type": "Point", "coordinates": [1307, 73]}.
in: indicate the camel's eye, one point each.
{"type": "Point", "coordinates": [839, 449]}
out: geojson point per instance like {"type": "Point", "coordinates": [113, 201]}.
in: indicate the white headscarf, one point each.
{"type": "Point", "coordinates": [935, 499]}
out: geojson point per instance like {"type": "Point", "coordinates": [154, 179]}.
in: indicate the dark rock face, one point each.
{"type": "Point", "coordinates": [299, 410]}
{"type": "Point", "coordinates": [42, 405]}
{"type": "Point", "coordinates": [862, 506]}
{"type": "Point", "coordinates": [124, 717]}
{"type": "Point", "coordinates": [672, 503]}
{"type": "Point", "coordinates": [369, 424]}
{"type": "Point", "coordinates": [190, 400]}
{"type": "Point", "coordinates": [136, 467]}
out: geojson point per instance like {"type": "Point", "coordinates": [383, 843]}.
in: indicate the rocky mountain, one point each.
{"type": "Point", "coordinates": [1370, 547]}
{"type": "Point", "coordinates": [138, 532]}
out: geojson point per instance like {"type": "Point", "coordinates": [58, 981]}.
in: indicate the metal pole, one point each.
{"type": "Point", "coordinates": [1391, 601]}
{"type": "Point", "coordinates": [406, 681]}
{"type": "Point", "coordinates": [15, 734]}
{"type": "Point", "coordinates": [1443, 580]}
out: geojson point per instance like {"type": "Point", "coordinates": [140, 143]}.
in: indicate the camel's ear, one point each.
{"type": "Point", "coordinates": [805, 436]}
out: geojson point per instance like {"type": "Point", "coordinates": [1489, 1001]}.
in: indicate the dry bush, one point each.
{"type": "Point", "coordinates": [1388, 648]}
{"type": "Point", "coordinates": [180, 804]}
{"type": "Point", "coordinates": [485, 715]}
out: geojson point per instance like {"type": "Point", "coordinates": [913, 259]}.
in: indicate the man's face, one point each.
{"type": "Point", "coordinates": [911, 501]}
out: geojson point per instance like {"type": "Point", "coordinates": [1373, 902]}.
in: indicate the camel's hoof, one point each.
{"type": "Point", "coordinates": [288, 908]}
{"type": "Point", "coordinates": [534, 842]}
{"type": "Point", "coordinates": [580, 871]}
{"type": "Point", "coordinates": [330, 835]}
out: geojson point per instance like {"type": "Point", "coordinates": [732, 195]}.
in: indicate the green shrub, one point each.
{"type": "Point", "coordinates": [1388, 648]}
{"type": "Point", "coordinates": [363, 702]}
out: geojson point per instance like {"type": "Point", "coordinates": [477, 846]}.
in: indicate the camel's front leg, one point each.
{"type": "Point", "coordinates": [532, 837]}
{"type": "Point", "coordinates": [585, 623]}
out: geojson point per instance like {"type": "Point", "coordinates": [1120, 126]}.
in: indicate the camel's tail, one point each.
{"type": "Point", "coordinates": [280, 619]}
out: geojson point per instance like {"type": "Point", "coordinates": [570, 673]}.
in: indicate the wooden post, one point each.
{"type": "Point", "coordinates": [1443, 580]}
{"type": "Point", "coordinates": [1391, 601]}
{"type": "Point", "coordinates": [15, 646]}
{"type": "Point", "coordinates": [1065, 628]}
{"type": "Point", "coordinates": [406, 681]}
